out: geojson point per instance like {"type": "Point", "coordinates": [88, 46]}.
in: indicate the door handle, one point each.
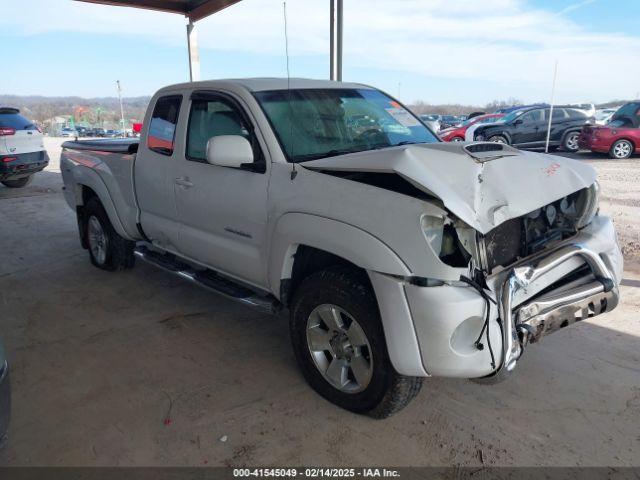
{"type": "Point", "coordinates": [183, 182]}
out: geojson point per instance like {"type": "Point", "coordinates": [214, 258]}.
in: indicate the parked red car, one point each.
{"type": "Point", "coordinates": [456, 134]}
{"type": "Point", "coordinates": [620, 138]}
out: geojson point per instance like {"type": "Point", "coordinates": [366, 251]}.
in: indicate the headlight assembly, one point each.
{"type": "Point", "coordinates": [443, 239]}
{"type": "Point", "coordinates": [591, 206]}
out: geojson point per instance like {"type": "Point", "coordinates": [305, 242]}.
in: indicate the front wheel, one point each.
{"type": "Point", "coordinates": [570, 143]}
{"type": "Point", "coordinates": [498, 139]}
{"type": "Point", "coordinates": [457, 139]}
{"type": "Point", "coordinates": [621, 149]}
{"type": "Point", "coordinates": [337, 337]}
{"type": "Point", "coordinates": [107, 249]}
{"type": "Point", "coordinates": [18, 183]}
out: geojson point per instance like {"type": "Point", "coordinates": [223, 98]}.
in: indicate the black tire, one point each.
{"type": "Point", "coordinates": [387, 391]}
{"type": "Point", "coordinates": [18, 183]}
{"type": "Point", "coordinates": [618, 150]}
{"type": "Point", "coordinates": [118, 250]}
{"type": "Point", "coordinates": [570, 142]}
{"type": "Point", "coordinates": [498, 139]}
{"type": "Point", "coordinates": [457, 139]}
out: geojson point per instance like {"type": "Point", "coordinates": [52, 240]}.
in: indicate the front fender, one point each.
{"type": "Point", "coordinates": [339, 238]}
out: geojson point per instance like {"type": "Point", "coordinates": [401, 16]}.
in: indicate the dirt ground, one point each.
{"type": "Point", "coordinates": [142, 368]}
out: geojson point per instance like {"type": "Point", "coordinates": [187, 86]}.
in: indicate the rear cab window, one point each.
{"type": "Point", "coordinates": [162, 128]}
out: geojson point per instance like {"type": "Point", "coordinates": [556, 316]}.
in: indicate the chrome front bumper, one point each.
{"type": "Point", "coordinates": [529, 322]}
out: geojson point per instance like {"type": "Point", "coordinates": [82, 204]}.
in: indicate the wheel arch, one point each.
{"type": "Point", "coordinates": [569, 131]}
{"type": "Point", "coordinates": [395, 315]}
{"type": "Point", "coordinates": [316, 241]}
{"type": "Point", "coordinates": [634, 144]}
{"type": "Point", "coordinates": [500, 133]}
{"type": "Point", "coordinates": [88, 185]}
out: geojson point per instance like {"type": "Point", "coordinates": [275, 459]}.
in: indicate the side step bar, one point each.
{"type": "Point", "coordinates": [208, 279]}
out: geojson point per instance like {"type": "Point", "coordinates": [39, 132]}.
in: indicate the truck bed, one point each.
{"type": "Point", "coordinates": [104, 166]}
{"type": "Point", "coordinates": [112, 145]}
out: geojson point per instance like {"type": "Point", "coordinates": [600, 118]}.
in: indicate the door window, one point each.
{"type": "Point", "coordinates": [162, 129]}
{"type": "Point", "coordinates": [559, 114]}
{"type": "Point", "coordinates": [533, 116]}
{"type": "Point", "coordinates": [211, 117]}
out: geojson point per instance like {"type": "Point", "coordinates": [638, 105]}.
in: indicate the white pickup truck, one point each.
{"type": "Point", "coordinates": [398, 256]}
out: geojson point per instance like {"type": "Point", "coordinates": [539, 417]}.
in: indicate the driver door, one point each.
{"type": "Point", "coordinates": [222, 210]}
{"type": "Point", "coordinates": [531, 129]}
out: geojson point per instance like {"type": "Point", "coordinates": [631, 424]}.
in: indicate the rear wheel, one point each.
{"type": "Point", "coordinates": [340, 346]}
{"type": "Point", "coordinates": [457, 139]}
{"type": "Point", "coordinates": [621, 149]}
{"type": "Point", "coordinates": [18, 183]}
{"type": "Point", "coordinates": [107, 249]}
{"type": "Point", "coordinates": [498, 139]}
{"type": "Point", "coordinates": [570, 143]}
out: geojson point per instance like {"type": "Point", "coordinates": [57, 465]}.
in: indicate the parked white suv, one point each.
{"type": "Point", "coordinates": [22, 150]}
{"type": "Point", "coordinates": [398, 256]}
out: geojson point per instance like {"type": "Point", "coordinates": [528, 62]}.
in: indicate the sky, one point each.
{"type": "Point", "coordinates": [437, 51]}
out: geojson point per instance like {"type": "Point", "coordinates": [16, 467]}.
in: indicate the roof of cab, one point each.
{"type": "Point", "coordinates": [265, 84]}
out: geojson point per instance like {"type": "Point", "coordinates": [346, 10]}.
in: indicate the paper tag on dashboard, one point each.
{"type": "Point", "coordinates": [403, 117]}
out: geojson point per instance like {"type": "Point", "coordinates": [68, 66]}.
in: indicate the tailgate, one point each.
{"type": "Point", "coordinates": [24, 141]}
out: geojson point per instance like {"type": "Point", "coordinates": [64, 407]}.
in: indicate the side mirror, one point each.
{"type": "Point", "coordinates": [518, 121]}
{"type": "Point", "coordinates": [229, 151]}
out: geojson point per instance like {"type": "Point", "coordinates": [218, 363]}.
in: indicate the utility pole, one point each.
{"type": "Point", "coordinates": [335, 40]}
{"type": "Point", "coordinates": [194, 52]}
{"type": "Point", "coordinates": [553, 94]}
{"type": "Point", "coordinates": [121, 107]}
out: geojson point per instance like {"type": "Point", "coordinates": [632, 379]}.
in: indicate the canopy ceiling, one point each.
{"type": "Point", "coordinates": [194, 9]}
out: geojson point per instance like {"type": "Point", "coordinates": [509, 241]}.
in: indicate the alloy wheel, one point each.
{"type": "Point", "coordinates": [572, 142]}
{"type": "Point", "coordinates": [339, 348]}
{"type": "Point", "coordinates": [622, 150]}
{"type": "Point", "coordinates": [97, 240]}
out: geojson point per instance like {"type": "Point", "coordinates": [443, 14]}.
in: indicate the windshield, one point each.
{"type": "Point", "coordinates": [317, 123]}
{"type": "Point", "coordinates": [629, 112]}
{"type": "Point", "coordinates": [512, 116]}
{"type": "Point", "coordinates": [602, 114]}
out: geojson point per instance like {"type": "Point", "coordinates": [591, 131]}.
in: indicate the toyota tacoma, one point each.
{"type": "Point", "coordinates": [397, 256]}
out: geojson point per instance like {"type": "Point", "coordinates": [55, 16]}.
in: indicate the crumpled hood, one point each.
{"type": "Point", "coordinates": [482, 189]}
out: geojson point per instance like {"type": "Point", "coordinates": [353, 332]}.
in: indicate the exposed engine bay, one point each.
{"type": "Point", "coordinates": [523, 236]}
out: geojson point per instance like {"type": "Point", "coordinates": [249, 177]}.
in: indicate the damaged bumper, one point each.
{"type": "Point", "coordinates": [548, 313]}
{"type": "Point", "coordinates": [555, 288]}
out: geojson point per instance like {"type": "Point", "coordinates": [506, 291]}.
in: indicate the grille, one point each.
{"type": "Point", "coordinates": [523, 236]}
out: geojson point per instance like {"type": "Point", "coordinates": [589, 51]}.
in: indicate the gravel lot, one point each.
{"type": "Point", "coordinates": [141, 368]}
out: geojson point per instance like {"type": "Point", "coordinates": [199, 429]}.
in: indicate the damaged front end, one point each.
{"type": "Point", "coordinates": [521, 268]}
{"type": "Point", "coordinates": [516, 250]}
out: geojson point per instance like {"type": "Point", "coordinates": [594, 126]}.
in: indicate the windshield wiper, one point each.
{"type": "Point", "coordinates": [330, 153]}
